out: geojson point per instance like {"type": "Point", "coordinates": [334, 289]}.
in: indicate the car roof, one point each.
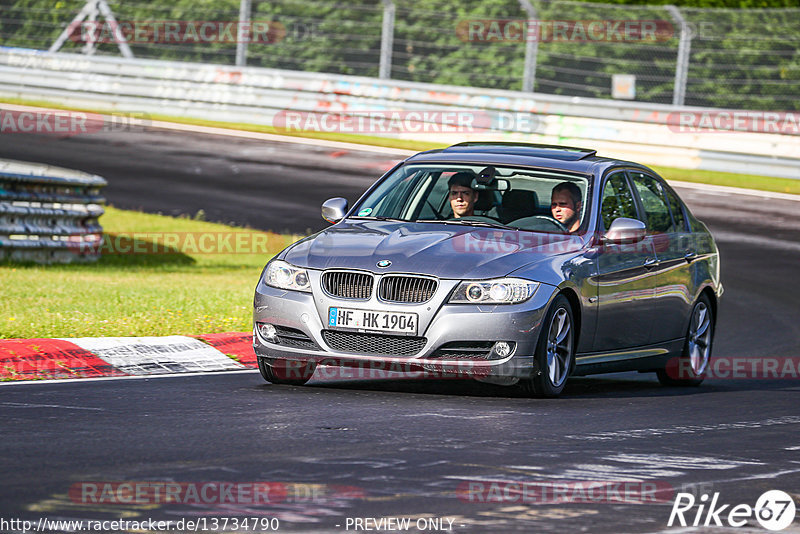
{"type": "Point", "coordinates": [566, 158]}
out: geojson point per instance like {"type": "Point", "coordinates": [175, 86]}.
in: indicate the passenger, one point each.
{"type": "Point", "coordinates": [462, 196]}
{"type": "Point", "coordinates": [565, 205]}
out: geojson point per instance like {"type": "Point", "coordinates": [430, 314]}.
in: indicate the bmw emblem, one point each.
{"type": "Point", "coordinates": [383, 263]}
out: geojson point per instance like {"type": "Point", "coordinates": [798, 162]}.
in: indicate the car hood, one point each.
{"type": "Point", "coordinates": [442, 250]}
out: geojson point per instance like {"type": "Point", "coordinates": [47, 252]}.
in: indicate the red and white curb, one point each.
{"type": "Point", "coordinates": [95, 357]}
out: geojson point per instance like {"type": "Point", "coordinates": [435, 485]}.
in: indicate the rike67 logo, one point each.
{"type": "Point", "coordinates": [774, 510]}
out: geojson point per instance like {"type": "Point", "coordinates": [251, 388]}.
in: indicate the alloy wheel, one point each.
{"type": "Point", "coordinates": [559, 347]}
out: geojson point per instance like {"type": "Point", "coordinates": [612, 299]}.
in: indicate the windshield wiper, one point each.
{"type": "Point", "coordinates": [373, 218]}
{"type": "Point", "coordinates": [468, 223]}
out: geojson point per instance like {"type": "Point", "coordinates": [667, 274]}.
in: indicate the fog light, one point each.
{"type": "Point", "coordinates": [267, 331]}
{"type": "Point", "coordinates": [502, 349]}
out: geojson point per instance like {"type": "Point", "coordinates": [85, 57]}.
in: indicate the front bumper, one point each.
{"type": "Point", "coordinates": [448, 323]}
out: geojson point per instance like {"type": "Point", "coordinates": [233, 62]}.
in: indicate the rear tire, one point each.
{"type": "Point", "coordinates": [290, 373]}
{"type": "Point", "coordinates": [690, 368]}
{"type": "Point", "coordinates": [555, 352]}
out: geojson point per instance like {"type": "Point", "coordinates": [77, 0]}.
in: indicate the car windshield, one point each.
{"type": "Point", "coordinates": [540, 200]}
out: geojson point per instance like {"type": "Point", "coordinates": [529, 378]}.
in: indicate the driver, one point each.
{"type": "Point", "coordinates": [565, 204]}
{"type": "Point", "coordinates": [462, 196]}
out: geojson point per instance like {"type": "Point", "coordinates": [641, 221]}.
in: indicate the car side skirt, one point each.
{"type": "Point", "coordinates": [645, 358]}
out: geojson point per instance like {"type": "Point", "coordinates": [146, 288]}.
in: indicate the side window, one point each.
{"type": "Point", "coordinates": [655, 206]}
{"type": "Point", "coordinates": [396, 201]}
{"type": "Point", "coordinates": [675, 206]}
{"type": "Point", "coordinates": [617, 200]}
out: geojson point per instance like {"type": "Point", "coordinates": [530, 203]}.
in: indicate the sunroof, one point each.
{"type": "Point", "coordinates": [566, 153]}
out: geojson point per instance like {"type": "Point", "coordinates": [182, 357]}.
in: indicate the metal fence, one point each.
{"type": "Point", "coordinates": [744, 59]}
{"type": "Point", "coordinates": [294, 101]}
{"type": "Point", "coordinates": [49, 214]}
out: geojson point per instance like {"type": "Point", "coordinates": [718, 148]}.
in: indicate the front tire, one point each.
{"type": "Point", "coordinates": [290, 373]}
{"type": "Point", "coordinates": [555, 351]}
{"type": "Point", "coordinates": [690, 368]}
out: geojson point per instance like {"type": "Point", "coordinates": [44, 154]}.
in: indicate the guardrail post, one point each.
{"type": "Point", "coordinates": [682, 65]}
{"type": "Point", "coordinates": [243, 34]}
{"type": "Point", "coordinates": [387, 40]}
{"type": "Point", "coordinates": [531, 47]}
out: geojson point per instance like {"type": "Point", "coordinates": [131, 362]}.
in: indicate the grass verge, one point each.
{"type": "Point", "coordinates": [158, 276]}
{"type": "Point", "coordinates": [748, 181]}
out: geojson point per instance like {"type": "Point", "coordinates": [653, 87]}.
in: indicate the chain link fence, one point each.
{"type": "Point", "coordinates": [744, 59]}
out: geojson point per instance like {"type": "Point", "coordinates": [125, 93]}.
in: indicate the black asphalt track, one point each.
{"type": "Point", "coordinates": [345, 449]}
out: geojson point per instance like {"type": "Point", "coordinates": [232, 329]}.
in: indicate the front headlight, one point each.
{"type": "Point", "coordinates": [286, 276]}
{"type": "Point", "coordinates": [501, 291]}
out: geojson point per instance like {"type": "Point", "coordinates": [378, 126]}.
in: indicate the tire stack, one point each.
{"type": "Point", "coordinates": [49, 214]}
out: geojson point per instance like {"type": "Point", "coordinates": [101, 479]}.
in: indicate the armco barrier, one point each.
{"type": "Point", "coordinates": [49, 214]}
{"type": "Point", "coordinates": [630, 130]}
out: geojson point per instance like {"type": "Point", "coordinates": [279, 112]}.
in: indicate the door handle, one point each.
{"type": "Point", "coordinates": [690, 256]}
{"type": "Point", "coordinates": [650, 263]}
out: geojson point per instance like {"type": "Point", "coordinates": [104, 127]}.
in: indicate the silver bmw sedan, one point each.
{"type": "Point", "coordinates": [508, 263]}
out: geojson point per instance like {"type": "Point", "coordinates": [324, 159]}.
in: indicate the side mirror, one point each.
{"type": "Point", "coordinates": [624, 230]}
{"type": "Point", "coordinates": [334, 209]}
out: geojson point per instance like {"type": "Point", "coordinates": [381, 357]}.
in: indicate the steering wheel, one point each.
{"type": "Point", "coordinates": [478, 218]}
{"type": "Point", "coordinates": [524, 223]}
{"type": "Point", "coordinates": [558, 224]}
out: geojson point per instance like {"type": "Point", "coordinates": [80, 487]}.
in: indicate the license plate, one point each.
{"type": "Point", "coordinates": [373, 321]}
